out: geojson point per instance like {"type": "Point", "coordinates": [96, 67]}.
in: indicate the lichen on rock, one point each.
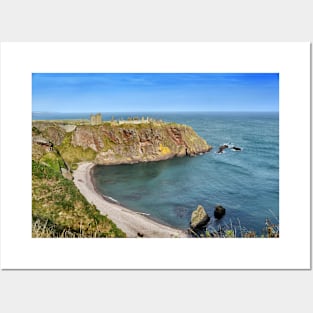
{"type": "Point", "coordinates": [199, 218]}
{"type": "Point", "coordinates": [117, 144]}
{"type": "Point", "coordinates": [111, 143]}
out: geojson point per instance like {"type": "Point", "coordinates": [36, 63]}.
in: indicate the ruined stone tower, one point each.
{"type": "Point", "coordinates": [95, 119]}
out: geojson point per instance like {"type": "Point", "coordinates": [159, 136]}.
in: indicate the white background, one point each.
{"type": "Point", "coordinates": [155, 290]}
{"type": "Point", "coordinates": [20, 251]}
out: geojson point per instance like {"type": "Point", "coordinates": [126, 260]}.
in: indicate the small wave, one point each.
{"type": "Point", "coordinates": [110, 199]}
{"type": "Point", "coordinates": [142, 213]}
{"type": "Point", "coordinates": [231, 167]}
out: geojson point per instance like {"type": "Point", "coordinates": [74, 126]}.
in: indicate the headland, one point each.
{"type": "Point", "coordinates": [72, 148]}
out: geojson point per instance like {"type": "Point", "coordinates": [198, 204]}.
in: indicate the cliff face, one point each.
{"type": "Point", "coordinates": [138, 143]}
{"type": "Point", "coordinates": [112, 143]}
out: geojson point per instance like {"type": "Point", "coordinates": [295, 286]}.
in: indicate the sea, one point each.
{"type": "Point", "coordinates": [244, 182]}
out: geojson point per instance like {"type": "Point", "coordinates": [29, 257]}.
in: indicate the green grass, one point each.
{"type": "Point", "coordinates": [230, 230]}
{"type": "Point", "coordinates": [107, 144]}
{"type": "Point", "coordinates": [60, 210]}
{"type": "Point", "coordinates": [73, 155]}
{"type": "Point", "coordinates": [53, 160]}
{"type": "Point", "coordinates": [35, 131]}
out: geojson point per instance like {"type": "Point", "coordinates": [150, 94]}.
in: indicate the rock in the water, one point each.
{"type": "Point", "coordinates": [219, 212]}
{"type": "Point", "coordinates": [199, 218]}
{"type": "Point", "coordinates": [236, 148]}
{"type": "Point", "coordinates": [222, 148]}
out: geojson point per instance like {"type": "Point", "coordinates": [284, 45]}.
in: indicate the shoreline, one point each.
{"type": "Point", "coordinates": [131, 222]}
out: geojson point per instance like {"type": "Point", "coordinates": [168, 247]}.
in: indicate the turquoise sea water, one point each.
{"type": "Point", "coordinates": [245, 182]}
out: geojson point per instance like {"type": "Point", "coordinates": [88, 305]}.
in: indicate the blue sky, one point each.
{"type": "Point", "coordinates": [154, 92]}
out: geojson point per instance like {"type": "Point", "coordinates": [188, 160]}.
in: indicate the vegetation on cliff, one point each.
{"type": "Point", "coordinates": [60, 210]}
{"type": "Point", "coordinates": [125, 142]}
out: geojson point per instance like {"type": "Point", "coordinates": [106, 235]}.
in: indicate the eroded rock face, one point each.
{"type": "Point", "coordinates": [113, 143]}
{"type": "Point", "coordinates": [68, 127]}
{"type": "Point", "coordinates": [51, 131]}
{"type": "Point", "coordinates": [88, 137]}
{"type": "Point", "coordinates": [199, 218]}
{"type": "Point", "coordinates": [116, 144]}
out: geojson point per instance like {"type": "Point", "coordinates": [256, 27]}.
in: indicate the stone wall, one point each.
{"type": "Point", "coordinates": [95, 119]}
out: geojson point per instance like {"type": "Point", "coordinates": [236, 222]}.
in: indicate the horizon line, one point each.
{"type": "Point", "coordinates": [209, 111]}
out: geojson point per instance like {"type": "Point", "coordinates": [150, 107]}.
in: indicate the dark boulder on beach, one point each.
{"type": "Point", "coordinates": [219, 212]}
{"type": "Point", "coordinates": [199, 218]}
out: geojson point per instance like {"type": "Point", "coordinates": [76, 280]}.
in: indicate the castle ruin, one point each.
{"type": "Point", "coordinates": [95, 119]}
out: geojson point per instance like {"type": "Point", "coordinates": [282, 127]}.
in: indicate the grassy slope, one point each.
{"type": "Point", "coordinates": [60, 210]}
{"type": "Point", "coordinates": [72, 155]}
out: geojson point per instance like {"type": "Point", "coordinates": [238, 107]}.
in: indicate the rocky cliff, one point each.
{"type": "Point", "coordinates": [113, 143]}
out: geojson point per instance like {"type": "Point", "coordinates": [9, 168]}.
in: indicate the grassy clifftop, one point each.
{"type": "Point", "coordinates": [119, 143]}
{"type": "Point", "coordinates": [112, 143]}
{"type": "Point", "coordinates": [59, 209]}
